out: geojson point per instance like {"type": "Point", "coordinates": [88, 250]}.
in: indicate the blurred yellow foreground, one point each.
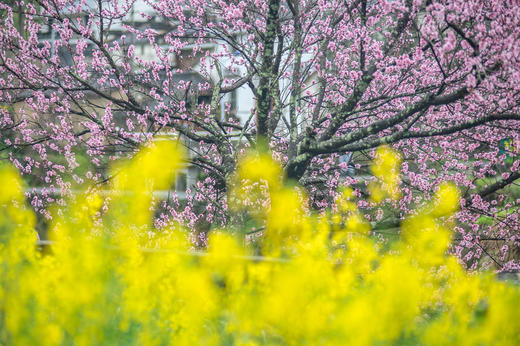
{"type": "Point", "coordinates": [111, 278]}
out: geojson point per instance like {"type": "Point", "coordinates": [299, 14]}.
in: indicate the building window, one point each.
{"type": "Point", "coordinates": [181, 182]}
{"type": "Point", "coordinates": [233, 100]}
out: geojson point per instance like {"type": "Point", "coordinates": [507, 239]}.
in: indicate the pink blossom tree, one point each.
{"type": "Point", "coordinates": [439, 80]}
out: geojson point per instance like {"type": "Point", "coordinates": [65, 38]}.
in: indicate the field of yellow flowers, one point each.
{"type": "Point", "coordinates": [320, 279]}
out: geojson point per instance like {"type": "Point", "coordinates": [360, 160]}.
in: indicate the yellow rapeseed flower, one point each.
{"type": "Point", "coordinates": [314, 279]}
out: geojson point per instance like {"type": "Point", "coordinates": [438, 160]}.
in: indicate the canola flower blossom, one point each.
{"type": "Point", "coordinates": [322, 280]}
{"type": "Point", "coordinates": [386, 169]}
